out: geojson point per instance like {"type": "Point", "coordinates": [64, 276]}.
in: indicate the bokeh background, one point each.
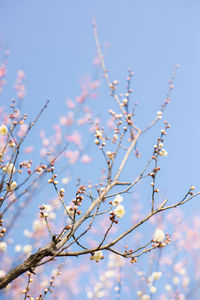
{"type": "Point", "coordinates": [53, 42]}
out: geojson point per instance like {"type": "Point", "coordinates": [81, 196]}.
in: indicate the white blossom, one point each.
{"type": "Point", "coordinates": [109, 154]}
{"type": "Point", "coordinates": [13, 185]}
{"type": "Point", "coordinates": [168, 287]}
{"type": "Point", "coordinates": [48, 208]}
{"type": "Point", "coordinates": [69, 211]}
{"type": "Point", "coordinates": [159, 236]}
{"type": "Point", "coordinates": [98, 134]}
{"type": "Point", "coordinates": [119, 211]}
{"type": "Point", "coordinates": [163, 152]}
{"type": "Point", "coordinates": [139, 293]}
{"type": "Point", "coordinates": [145, 297]}
{"type": "Point", "coordinates": [117, 200]}
{"type": "Point", "coordinates": [52, 216]}
{"type": "Point", "coordinates": [175, 280]}
{"type": "Point", "coordinates": [98, 255]}
{"type": "Point", "coordinates": [153, 289]}
{"type": "Point", "coordinates": [27, 249]}
{"type": "Point", "coordinates": [186, 281]}
{"type": "Point", "coordinates": [3, 130]}
{"type": "Point", "coordinates": [156, 275]}
{"type": "Point", "coordinates": [3, 246]}
{"type": "Point", "coordinates": [9, 168]}
{"type": "Point", "coordinates": [18, 248]}
{"type": "Point", "coordinates": [2, 273]}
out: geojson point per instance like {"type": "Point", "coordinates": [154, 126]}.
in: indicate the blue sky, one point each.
{"type": "Point", "coordinates": [52, 41]}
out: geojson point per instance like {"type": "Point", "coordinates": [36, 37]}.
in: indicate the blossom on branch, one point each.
{"type": "Point", "coordinates": [98, 255]}
{"type": "Point", "coordinates": [3, 130]}
{"type": "Point", "coordinates": [117, 200]}
{"type": "Point", "coordinates": [9, 168]}
{"type": "Point", "coordinates": [159, 236]}
{"type": "Point", "coordinates": [163, 152]}
{"type": "Point", "coordinates": [119, 211]}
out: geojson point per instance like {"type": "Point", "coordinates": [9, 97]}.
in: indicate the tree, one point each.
{"type": "Point", "coordinates": [56, 235]}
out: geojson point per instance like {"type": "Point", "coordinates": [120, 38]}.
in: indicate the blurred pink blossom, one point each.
{"type": "Point", "coordinates": [28, 149]}
{"type": "Point", "coordinates": [86, 159]}
{"type": "Point", "coordinates": [75, 138]}
{"type": "Point", "coordinates": [70, 103]}
{"type": "Point", "coordinates": [72, 156]}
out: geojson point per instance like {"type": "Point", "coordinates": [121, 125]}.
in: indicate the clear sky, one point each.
{"type": "Point", "coordinates": [52, 41]}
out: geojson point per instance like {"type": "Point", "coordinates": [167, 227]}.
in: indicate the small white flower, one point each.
{"type": "Point", "coordinates": [96, 141]}
{"type": "Point", "coordinates": [159, 114]}
{"type": "Point", "coordinates": [117, 200]}
{"type": "Point", "coordinates": [150, 279]}
{"type": "Point", "coordinates": [69, 211]}
{"type": "Point", "coordinates": [65, 180]}
{"type": "Point", "coordinates": [186, 281]}
{"type": "Point", "coordinates": [18, 248]}
{"type": "Point", "coordinates": [110, 273]}
{"type": "Point", "coordinates": [119, 211]}
{"type": "Point", "coordinates": [98, 134]}
{"type": "Point", "coordinates": [98, 255]}
{"type": "Point", "coordinates": [139, 293]}
{"type": "Point", "coordinates": [175, 280]}
{"type": "Point", "coordinates": [11, 144]}
{"type": "Point", "coordinates": [3, 130]}
{"type": "Point", "coordinates": [116, 288]}
{"type": "Point", "coordinates": [9, 168]}
{"type": "Point", "coordinates": [163, 152]}
{"type": "Point", "coordinates": [27, 249]}
{"type": "Point", "coordinates": [48, 208]}
{"type": "Point", "coordinates": [2, 273]}
{"type": "Point", "coordinates": [27, 233]}
{"type": "Point", "coordinates": [100, 294]}
{"type": "Point", "coordinates": [109, 154]}
{"type": "Point", "coordinates": [159, 236]}
{"type": "Point", "coordinates": [153, 289]}
{"type": "Point", "coordinates": [44, 284]}
{"type": "Point", "coordinates": [13, 185]}
{"type": "Point", "coordinates": [52, 216]}
{"type": "Point", "coordinates": [182, 271]}
{"type": "Point", "coordinates": [156, 275]}
{"type": "Point", "coordinates": [145, 297]}
{"type": "Point", "coordinates": [168, 287]}
{"type": "Point", "coordinates": [89, 295]}
{"type": "Point", "coordinates": [3, 246]}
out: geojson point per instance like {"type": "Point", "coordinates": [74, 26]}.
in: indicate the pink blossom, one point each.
{"type": "Point", "coordinates": [63, 121]}
{"type": "Point", "coordinates": [28, 149]}
{"type": "Point", "coordinates": [72, 156]}
{"type": "Point", "coordinates": [86, 109]}
{"type": "Point", "coordinates": [96, 61]}
{"type": "Point", "coordinates": [2, 70]}
{"type": "Point", "coordinates": [70, 103]}
{"type": "Point", "coordinates": [75, 138]}
{"type": "Point", "coordinates": [111, 124]}
{"type": "Point", "coordinates": [22, 130]}
{"type": "Point", "coordinates": [94, 85]}
{"type": "Point", "coordinates": [86, 159]}
{"type": "Point", "coordinates": [42, 134]}
{"type": "Point", "coordinates": [43, 152]}
{"type": "Point", "coordinates": [68, 120]}
{"type": "Point", "coordinates": [21, 74]}
{"type": "Point", "coordinates": [93, 95]}
{"type": "Point", "coordinates": [84, 120]}
{"type": "Point", "coordinates": [45, 142]}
